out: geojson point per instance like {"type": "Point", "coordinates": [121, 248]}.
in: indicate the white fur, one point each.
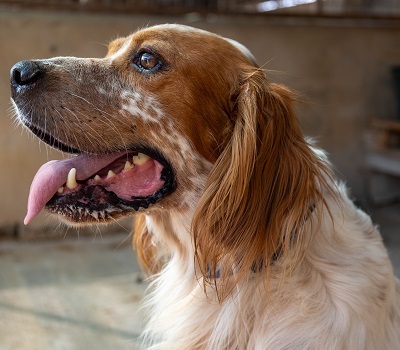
{"type": "Point", "coordinates": [342, 296]}
{"type": "Point", "coordinates": [146, 108]}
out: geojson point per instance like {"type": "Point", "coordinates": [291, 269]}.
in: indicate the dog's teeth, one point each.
{"type": "Point", "coordinates": [128, 166]}
{"type": "Point", "coordinates": [97, 178]}
{"type": "Point", "coordinates": [140, 159]}
{"type": "Point", "coordinates": [110, 174]}
{"type": "Point", "coordinates": [71, 180]}
{"type": "Point", "coordinates": [60, 190]}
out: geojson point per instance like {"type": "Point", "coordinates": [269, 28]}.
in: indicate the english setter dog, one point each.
{"type": "Point", "coordinates": [249, 240]}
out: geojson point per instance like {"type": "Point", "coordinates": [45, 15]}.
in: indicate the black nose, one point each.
{"type": "Point", "coordinates": [25, 73]}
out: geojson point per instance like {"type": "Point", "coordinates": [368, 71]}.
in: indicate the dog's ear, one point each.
{"type": "Point", "coordinates": [261, 191]}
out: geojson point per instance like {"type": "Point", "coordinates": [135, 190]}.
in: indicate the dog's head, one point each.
{"type": "Point", "coordinates": [147, 121]}
{"type": "Point", "coordinates": [173, 118]}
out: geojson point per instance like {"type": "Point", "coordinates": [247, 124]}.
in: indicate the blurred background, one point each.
{"type": "Point", "coordinates": [62, 288]}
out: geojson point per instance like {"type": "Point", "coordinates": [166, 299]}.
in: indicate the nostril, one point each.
{"type": "Point", "coordinates": [25, 73]}
{"type": "Point", "coordinates": [16, 76]}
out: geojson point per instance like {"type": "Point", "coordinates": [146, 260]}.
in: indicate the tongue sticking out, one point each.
{"type": "Point", "coordinates": [142, 179]}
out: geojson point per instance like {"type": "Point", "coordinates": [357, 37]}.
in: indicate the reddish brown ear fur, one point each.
{"type": "Point", "coordinates": [260, 191]}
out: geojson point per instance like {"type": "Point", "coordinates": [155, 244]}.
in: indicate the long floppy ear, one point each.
{"type": "Point", "coordinates": [261, 191]}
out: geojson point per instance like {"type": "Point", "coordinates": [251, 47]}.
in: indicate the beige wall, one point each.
{"type": "Point", "coordinates": [341, 68]}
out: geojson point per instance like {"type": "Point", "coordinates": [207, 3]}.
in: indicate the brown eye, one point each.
{"type": "Point", "coordinates": [148, 61]}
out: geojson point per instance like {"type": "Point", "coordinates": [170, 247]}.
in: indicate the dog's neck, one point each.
{"type": "Point", "coordinates": [171, 232]}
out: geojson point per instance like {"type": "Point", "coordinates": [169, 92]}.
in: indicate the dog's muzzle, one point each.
{"type": "Point", "coordinates": [97, 184]}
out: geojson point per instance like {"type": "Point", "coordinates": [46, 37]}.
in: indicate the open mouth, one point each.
{"type": "Point", "coordinates": [88, 188]}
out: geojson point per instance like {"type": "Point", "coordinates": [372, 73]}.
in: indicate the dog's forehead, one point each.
{"type": "Point", "coordinates": [174, 33]}
{"type": "Point", "coordinates": [178, 38]}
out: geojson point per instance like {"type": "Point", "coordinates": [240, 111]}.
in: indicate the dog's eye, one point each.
{"type": "Point", "coordinates": [147, 62]}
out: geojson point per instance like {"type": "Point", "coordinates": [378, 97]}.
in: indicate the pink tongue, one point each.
{"type": "Point", "coordinates": [52, 175]}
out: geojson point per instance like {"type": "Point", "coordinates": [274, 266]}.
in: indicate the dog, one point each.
{"type": "Point", "coordinates": [249, 240]}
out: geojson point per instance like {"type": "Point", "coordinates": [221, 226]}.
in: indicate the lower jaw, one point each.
{"type": "Point", "coordinates": [73, 214]}
{"type": "Point", "coordinates": [78, 213]}
{"type": "Point", "coordinates": [93, 204]}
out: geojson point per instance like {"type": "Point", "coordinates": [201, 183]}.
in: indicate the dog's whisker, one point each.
{"type": "Point", "coordinates": [45, 132]}
{"type": "Point", "coordinates": [121, 226]}
{"type": "Point", "coordinates": [97, 233]}
{"type": "Point", "coordinates": [104, 119]}
{"type": "Point", "coordinates": [73, 133]}
{"type": "Point", "coordinates": [94, 131]}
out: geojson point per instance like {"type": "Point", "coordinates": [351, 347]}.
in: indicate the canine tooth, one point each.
{"type": "Point", "coordinates": [110, 174]}
{"type": "Point", "coordinates": [71, 180]}
{"type": "Point", "coordinates": [140, 159]}
{"type": "Point", "coordinates": [128, 165]}
{"type": "Point", "coordinates": [97, 178]}
{"type": "Point", "coordinates": [60, 190]}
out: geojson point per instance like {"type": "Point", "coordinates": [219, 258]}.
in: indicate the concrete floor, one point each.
{"type": "Point", "coordinates": [70, 294]}
{"type": "Point", "coordinates": [84, 294]}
